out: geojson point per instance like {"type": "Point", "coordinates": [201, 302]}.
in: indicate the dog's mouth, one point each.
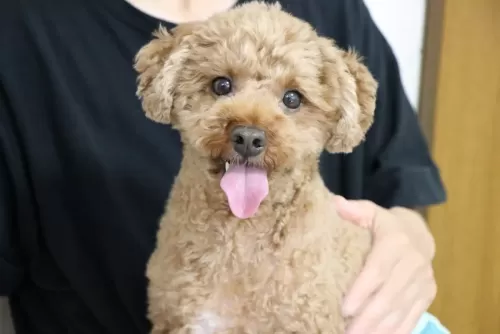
{"type": "Point", "coordinates": [245, 185]}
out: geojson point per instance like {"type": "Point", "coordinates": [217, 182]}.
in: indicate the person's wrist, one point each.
{"type": "Point", "coordinates": [417, 230]}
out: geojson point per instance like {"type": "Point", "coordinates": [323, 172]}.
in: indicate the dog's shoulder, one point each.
{"type": "Point", "coordinates": [345, 238]}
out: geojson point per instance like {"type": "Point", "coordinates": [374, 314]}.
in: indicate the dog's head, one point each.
{"type": "Point", "coordinates": [257, 88]}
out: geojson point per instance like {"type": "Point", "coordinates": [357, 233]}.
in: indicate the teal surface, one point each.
{"type": "Point", "coordinates": [429, 324]}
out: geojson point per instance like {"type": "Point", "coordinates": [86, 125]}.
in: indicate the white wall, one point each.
{"type": "Point", "coordinates": [402, 23]}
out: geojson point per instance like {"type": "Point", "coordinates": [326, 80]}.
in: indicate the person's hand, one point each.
{"type": "Point", "coordinates": [396, 285]}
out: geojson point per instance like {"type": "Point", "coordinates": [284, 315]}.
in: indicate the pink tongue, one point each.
{"type": "Point", "coordinates": [245, 188]}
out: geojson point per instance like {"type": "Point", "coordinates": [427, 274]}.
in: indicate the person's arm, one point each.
{"type": "Point", "coordinates": [11, 270]}
{"type": "Point", "coordinates": [399, 168]}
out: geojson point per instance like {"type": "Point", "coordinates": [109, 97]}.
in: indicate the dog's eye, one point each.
{"type": "Point", "coordinates": [292, 99]}
{"type": "Point", "coordinates": [222, 86]}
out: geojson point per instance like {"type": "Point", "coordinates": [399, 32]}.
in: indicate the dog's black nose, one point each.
{"type": "Point", "coordinates": [248, 141]}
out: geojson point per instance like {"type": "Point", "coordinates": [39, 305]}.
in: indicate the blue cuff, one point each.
{"type": "Point", "coordinates": [429, 324]}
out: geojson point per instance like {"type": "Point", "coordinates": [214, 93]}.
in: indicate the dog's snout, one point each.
{"type": "Point", "coordinates": [248, 141]}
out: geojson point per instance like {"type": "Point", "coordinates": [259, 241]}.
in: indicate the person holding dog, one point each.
{"type": "Point", "coordinates": [84, 176]}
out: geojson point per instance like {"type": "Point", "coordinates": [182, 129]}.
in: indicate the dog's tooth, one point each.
{"type": "Point", "coordinates": [227, 166]}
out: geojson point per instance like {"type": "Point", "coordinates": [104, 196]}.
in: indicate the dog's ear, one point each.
{"type": "Point", "coordinates": [158, 64]}
{"type": "Point", "coordinates": [355, 88]}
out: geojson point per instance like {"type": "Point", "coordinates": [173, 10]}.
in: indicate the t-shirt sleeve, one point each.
{"type": "Point", "coordinates": [10, 259]}
{"type": "Point", "coordinates": [399, 168]}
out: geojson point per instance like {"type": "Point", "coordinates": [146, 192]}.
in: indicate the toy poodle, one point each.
{"type": "Point", "coordinates": [250, 241]}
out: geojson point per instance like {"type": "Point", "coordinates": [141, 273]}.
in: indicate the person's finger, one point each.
{"type": "Point", "coordinates": [377, 269]}
{"type": "Point", "coordinates": [403, 281]}
{"type": "Point", "coordinates": [421, 306]}
{"type": "Point", "coordinates": [405, 274]}
{"type": "Point", "coordinates": [410, 322]}
{"type": "Point", "coordinates": [389, 324]}
{"type": "Point", "coordinates": [401, 308]}
{"type": "Point", "coordinates": [359, 212]}
{"type": "Point", "coordinates": [369, 321]}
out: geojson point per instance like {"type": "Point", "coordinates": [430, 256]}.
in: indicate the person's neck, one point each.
{"type": "Point", "coordinates": [182, 11]}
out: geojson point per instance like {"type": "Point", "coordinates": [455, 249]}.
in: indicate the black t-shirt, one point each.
{"type": "Point", "coordinates": [84, 174]}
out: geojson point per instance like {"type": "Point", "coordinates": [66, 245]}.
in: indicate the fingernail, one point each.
{"type": "Point", "coordinates": [342, 202]}
{"type": "Point", "coordinates": [338, 200]}
{"type": "Point", "coordinates": [350, 208]}
{"type": "Point", "coordinates": [349, 308]}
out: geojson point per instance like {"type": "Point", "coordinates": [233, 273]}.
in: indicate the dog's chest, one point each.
{"type": "Point", "coordinates": [253, 285]}
{"type": "Point", "coordinates": [236, 276]}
